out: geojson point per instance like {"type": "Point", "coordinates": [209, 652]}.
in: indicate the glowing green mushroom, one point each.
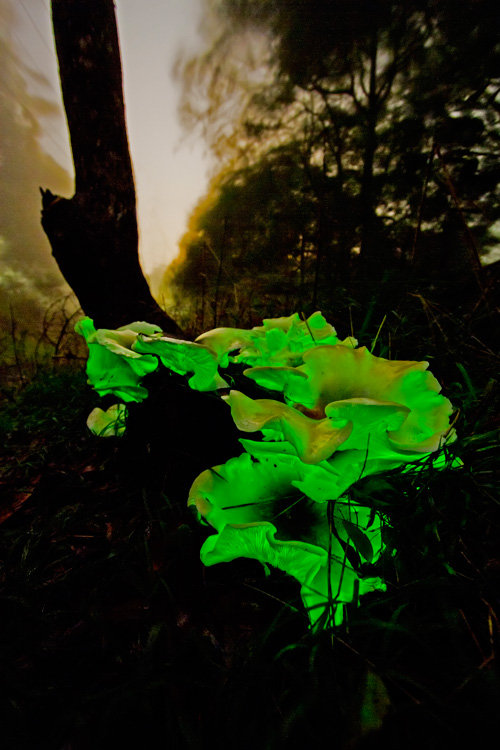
{"type": "Point", "coordinates": [278, 341]}
{"type": "Point", "coordinates": [347, 414]}
{"type": "Point", "coordinates": [223, 341]}
{"type": "Point", "coordinates": [184, 357]}
{"type": "Point", "coordinates": [112, 365]}
{"type": "Point", "coordinates": [300, 335]}
{"type": "Point", "coordinates": [359, 423]}
{"type": "Point", "coordinates": [109, 423]}
{"type": "Point", "coordinates": [314, 440]}
{"type": "Point", "coordinates": [246, 501]}
{"type": "Point", "coordinates": [332, 374]}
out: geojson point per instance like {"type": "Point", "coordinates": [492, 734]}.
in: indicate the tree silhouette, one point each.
{"type": "Point", "coordinates": [94, 235]}
{"type": "Point", "coordinates": [392, 110]}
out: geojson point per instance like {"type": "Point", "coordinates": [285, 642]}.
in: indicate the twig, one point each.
{"type": "Point", "coordinates": [14, 347]}
{"type": "Point", "coordinates": [308, 327]}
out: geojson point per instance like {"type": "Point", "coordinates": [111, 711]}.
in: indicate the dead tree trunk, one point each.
{"type": "Point", "coordinates": [94, 235]}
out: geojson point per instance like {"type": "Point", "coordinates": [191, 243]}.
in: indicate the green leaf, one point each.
{"type": "Point", "coordinates": [467, 380]}
{"type": "Point", "coordinates": [359, 540]}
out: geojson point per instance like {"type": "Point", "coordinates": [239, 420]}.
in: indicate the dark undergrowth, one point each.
{"type": "Point", "coordinates": [112, 634]}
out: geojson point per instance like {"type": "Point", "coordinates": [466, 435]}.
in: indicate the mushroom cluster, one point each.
{"type": "Point", "coordinates": [338, 414]}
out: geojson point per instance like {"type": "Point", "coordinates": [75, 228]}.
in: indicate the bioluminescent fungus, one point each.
{"type": "Point", "coordinates": [184, 357]}
{"type": "Point", "coordinates": [333, 374]}
{"type": "Point", "coordinates": [109, 423]}
{"type": "Point", "coordinates": [246, 502]}
{"type": "Point", "coordinates": [340, 414]}
{"type": "Point", "coordinates": [278, 341]}
{"type": "Point", "coordinates": [112, 365]}
{"type": "Point", "coordinates": [223, 341]}
{"type": "Point", "coordinates": [314, 440]}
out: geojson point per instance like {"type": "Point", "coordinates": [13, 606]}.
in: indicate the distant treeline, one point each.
{"type": "Point", "coordinates": [362, 141]}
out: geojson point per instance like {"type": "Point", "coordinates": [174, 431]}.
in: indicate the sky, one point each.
{"type": "Point", "coordinates": [170, 167]}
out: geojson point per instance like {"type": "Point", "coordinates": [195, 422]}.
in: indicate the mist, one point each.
{"type": "Point", "coordinates": [29, 277]}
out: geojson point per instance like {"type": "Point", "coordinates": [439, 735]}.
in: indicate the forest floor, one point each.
{"type": "Point", "coordinates": [113, 634]}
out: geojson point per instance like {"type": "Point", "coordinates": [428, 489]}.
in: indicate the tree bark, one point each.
{"type": "Point", "coordinates": [94, 235]}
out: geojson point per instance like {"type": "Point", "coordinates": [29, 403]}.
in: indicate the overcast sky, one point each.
{"type": "Point", "coordinates": [170, 168]}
